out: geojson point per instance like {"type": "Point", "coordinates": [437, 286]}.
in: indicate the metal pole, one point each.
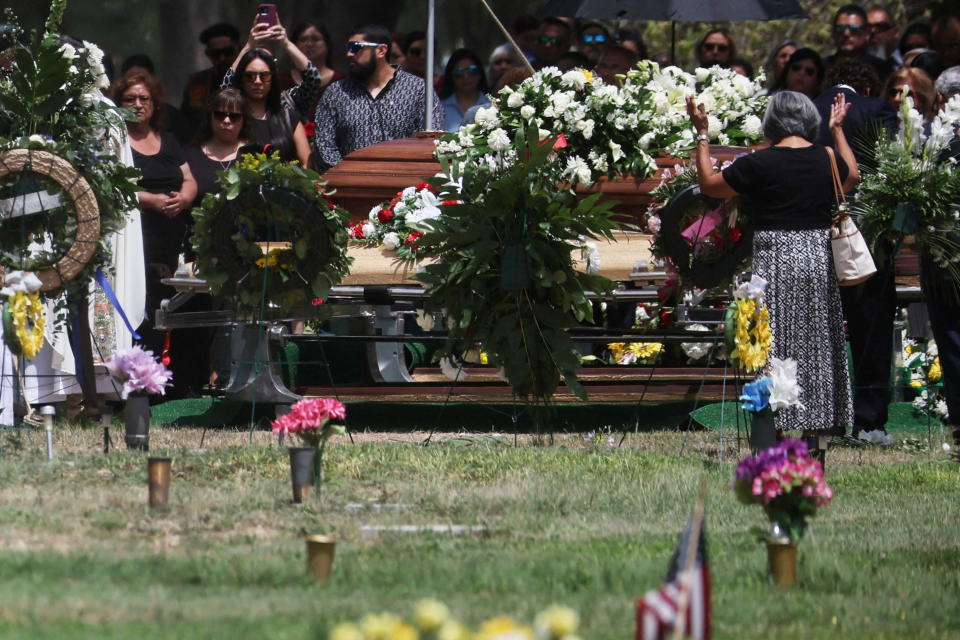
{"type": "Point", "coordinates": [509, 37]}
{"type": "Point", "coordinates": [428, 80]}
{"type": "Point", "coordinates": [48, 412]}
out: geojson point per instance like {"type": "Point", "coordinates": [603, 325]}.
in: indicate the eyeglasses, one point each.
{"type": "Point", "coordinates": [310, 39]}
{"type": "Point", "coordinates": [550, 41]}
{"type": "Point", "coordinates": [879, 27]}
{"type": "Point", "coordinates": [810, 71]}
{"type": "Point", "coordinates": [716, 46]}
{"type": "Point", "coordinates": [472, 70]}
{"type": "Point", "coordinates": [415, 51]}
{"type": "Point", "coordinates": [136, 99]}
{"type": "Point", "coordinates": [590, 38]}
{"type": "Point", "coordinates": [223, 115]}
{"type": "Point", "coordinates": [262, 76]}
{"type": "Point", "coordinates": [225, 52]}
{"type": "Point", "coordinates": [839, 29]}
{"type": "Point", "coordinates": [354, 48]}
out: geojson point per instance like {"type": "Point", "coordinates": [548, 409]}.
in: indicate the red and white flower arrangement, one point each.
{"type": "Point", "coordinates": [398, 224]}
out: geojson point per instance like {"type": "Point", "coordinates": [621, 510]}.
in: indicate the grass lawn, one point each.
{"type": "Point", "coordinates": [582, 524]}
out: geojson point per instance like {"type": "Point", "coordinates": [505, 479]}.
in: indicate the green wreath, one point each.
{"type": "Point", "coordinates": [271, 235]}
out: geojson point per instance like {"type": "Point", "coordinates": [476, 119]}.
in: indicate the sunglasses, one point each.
{"type": "Point", "coordinates": [550, 41]}
{"type": "Point", "coordinates": [590, 38]}
{"type": "Point", "coordinates": [415, 51]}
{"type": "Point", "coordinates": [714, 46]}
{"type": "Point", "coordinates": [354, 48]}
{"type": "Point", "coordinates": [223, 115]}
{"type": "Point", "coordinates": [262, 76]}
{"type": "Point", "coordinates": [226, 52]}
{"type": "Point", "coordinates": [472, 70]}
{"type": "Point", "coordinates": [810, 71]}
{"type": "Point", "coordinates": [839, 29]}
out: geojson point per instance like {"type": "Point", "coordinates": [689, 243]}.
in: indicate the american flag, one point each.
{"type": "Point", "coordinates": [685, 598]}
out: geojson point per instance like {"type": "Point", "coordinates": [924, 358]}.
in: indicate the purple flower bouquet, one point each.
{"type": "Point", "coordinates": [139, 372]}
{"type": "Point", "coordinates": [786, 482]}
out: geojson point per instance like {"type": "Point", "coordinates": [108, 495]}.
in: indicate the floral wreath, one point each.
{"type": "Point", "coordinates": [239, 234]}
{"type": "Point", "coordinates": [54, 95]}
{"type": "Point", "coordinates": [747, 326]}
{"type": "Point", "coordinates": [708, 241]}
{"type": "Point", "coordinates": [24, 316]}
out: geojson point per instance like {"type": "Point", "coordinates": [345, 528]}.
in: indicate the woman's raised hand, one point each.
{"type": "Point", "coordinates": [838, 111]}
{"type": "Point", "coordinates": [698, 115]}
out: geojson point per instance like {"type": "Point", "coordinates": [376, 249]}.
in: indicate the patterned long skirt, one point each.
{"type": "Point", "coordinates": [806, 319]}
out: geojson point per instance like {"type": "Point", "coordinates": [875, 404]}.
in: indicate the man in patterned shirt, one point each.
{"type": "Point", "coordinates": [374, 103]}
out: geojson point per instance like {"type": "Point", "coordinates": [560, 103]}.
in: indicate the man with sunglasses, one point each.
{"type": "Point", "coordinates": [593, 38]}
{"type": "Point", "coordinates": [553, 42]}
{"type": "Point", "coordinates": [374, 103]}
{"type": "Point", "coordinates": [851, 35]}
{"type": "Point", "coordinates": [220, 43]}
{"type": "Point", "coordinates": [716, 48]}
{"type": "Point", "coordinates": [884, 35]}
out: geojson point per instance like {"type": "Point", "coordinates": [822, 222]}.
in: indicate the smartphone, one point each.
{"type": "Point", "coordinates": [267, 14]}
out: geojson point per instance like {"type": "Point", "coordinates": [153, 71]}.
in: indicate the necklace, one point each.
{"type": "Point", "coordinates": [224, 164]}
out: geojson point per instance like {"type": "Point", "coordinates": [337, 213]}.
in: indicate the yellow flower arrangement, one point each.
{"type": "Point", "coordinates": [935, 372]}
{"type": "Point", "coordinates": [635, 352]}
{"type": "Point", "coordinates": [27, 311]}
{"type": "Point", "coordinates": [431, 620]}
{"type": "Point", "coordinates": [752, 338]}
{"type": "Point", "coordinates": [252, 161]}
{"type": "Point", "coordinates": [272, 259]}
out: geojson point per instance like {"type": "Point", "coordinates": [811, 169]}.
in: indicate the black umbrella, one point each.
{"type": "Point", "coordinates": [677, 11]}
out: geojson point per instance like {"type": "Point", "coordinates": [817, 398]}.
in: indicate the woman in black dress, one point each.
{"type": "Point", "coordinates": [167, 191]}
{"type": "Point", "coordinates": [223, 131]}
{"type": "Point", "coordinates": [788, 190]}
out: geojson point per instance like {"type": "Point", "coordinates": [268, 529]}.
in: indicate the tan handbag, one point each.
{"type": "Point", "coordinates": [851, 255]}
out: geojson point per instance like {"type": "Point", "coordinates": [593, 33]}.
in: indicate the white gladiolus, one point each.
{"type": "Point", "coordinates": [784, 392]}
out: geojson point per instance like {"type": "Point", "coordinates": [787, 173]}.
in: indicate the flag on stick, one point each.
{"type": "Point", "coordinates": [681, 607]}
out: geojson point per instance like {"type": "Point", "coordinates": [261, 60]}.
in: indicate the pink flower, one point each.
{"type": "Point", "coordinates": [309, 413]}
{"type": "Point", "coordinates": [139, 371]}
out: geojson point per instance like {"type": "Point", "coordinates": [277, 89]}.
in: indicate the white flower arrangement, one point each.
{"type": "Point", "coordinates": [632, 123]}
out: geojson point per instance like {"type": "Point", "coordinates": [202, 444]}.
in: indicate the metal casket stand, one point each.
{"type": "Point", "coordinates": [253, 376]}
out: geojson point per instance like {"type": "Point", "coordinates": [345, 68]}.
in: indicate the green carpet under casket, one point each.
{"type": "Point", "coordinates": [902, 417]}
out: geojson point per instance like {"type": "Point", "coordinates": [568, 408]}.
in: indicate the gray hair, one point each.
{"type": "Point", "coordinates": [790, 113]}
{"type": "Point", "coordinates": [948, 82]}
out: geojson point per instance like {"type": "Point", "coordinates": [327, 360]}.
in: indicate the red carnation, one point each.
{"type": "Point", "coordinates": [356, 231]}
{"type": "Point", "coordinates": [413, 237]}
{"type": "Point", "coordinates": [384, 216]}
{"type": "Point", "coordinates": [447, 203]}
{"type": "Point", "coordinates": [422, 185]}
{"type": "Point", "coordinates": [310, 128]}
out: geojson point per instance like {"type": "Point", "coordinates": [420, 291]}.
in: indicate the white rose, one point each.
{"type": "Point", "coordinates": [373, 213]}
{"type": "Point", "coordinates": [526, 111]}
{"type": "Point", "coordinates": [752, 126]}
{"type": "Point", "coordinates": [68, 51]}
{"type": "Point", "coordinates": [391, 241]}
{"type": "Point", "coordinates": [515, 100]}
{"type": "Point", "coordinates": [543, 134]}
{"type": "Point", "coordinates": [487, 117]}
{"type": "Point", "coordinates": [549, 112]}
{"type": "Point", "coordinates": [498, 140]}
{"type": "Point", "coordinates": [574, 78]}
{"type": "Point", "coordinates": [646, 139]}
{"type": "Point", "coordinates": [702, 74]}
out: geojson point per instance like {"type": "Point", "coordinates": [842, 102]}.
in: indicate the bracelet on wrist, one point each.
{"type": "Point", "coordinates": [702, 137]}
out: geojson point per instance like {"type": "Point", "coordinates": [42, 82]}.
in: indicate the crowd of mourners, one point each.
{"type": "Point", "coordinates": [340, 95]}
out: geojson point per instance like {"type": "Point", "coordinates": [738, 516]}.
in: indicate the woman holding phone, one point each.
{"type": "Point", "coordinates": [274, 115]}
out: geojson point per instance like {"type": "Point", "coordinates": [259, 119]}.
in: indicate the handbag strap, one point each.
{"type": "Point", "coordinates": [838, 195]}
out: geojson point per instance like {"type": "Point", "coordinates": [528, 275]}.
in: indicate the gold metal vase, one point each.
{"type": "Point", "coordinates": [783, 563]}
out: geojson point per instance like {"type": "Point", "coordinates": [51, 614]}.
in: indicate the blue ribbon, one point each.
{"type": "Point", "coordinates": [108, 290]}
